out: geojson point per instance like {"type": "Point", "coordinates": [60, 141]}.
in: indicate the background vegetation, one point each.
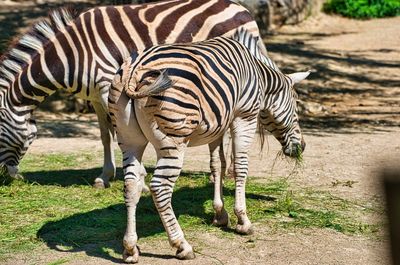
{"type": "Point", "coordinates": [363, 9]}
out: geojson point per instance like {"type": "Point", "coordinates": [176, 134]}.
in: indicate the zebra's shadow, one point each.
{"type": "Point", "coordinates": [69, 177]}
{"type": "Point", "coordinates": [99, 232]}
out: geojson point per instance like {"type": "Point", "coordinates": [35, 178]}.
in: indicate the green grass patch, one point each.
{"type": "Point", "coordinates": [58, 262]}
{"type": "Point", "coordinates": [363, 9]}
{"type": "Point", "coordinates": [55, 206]}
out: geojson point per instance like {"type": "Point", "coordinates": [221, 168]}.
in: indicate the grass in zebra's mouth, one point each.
{"type": "Point", "coordinates": [299, 155]}
{"type": "Point", "coordinates": [56, 207]}
{"type": "Point", "coordinates": [297, 162]}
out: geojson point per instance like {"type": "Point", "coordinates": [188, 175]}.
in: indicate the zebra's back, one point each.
{"type": "Point", "coordinates": [114, 32]}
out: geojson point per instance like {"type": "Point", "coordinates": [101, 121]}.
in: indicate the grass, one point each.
{"type": "Point", "coordinates": [299, 154]}
{"type": "Point", "coordinates": [57, 207]}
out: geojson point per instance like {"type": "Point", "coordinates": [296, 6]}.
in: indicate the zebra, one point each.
{"type": "Point", "coordinates": [175, 96]}
{"type": "Point", "coordinates": [81, 54]}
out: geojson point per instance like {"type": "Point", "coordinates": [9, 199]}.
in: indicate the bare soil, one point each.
{"type": "Point", "coordinates": [351, 107]}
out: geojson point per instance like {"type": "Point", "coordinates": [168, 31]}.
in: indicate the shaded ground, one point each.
{"type": "Point", "coordinates": [351, 124]}
{"type": "Point", "coordinates": [356, 83]}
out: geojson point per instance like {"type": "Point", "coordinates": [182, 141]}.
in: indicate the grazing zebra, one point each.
{"type": "Point", "coordinates": [187, 95]}
{"type": "Point", "coordinates": [81, 54]}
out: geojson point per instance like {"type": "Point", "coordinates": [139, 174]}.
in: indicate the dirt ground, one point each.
{"type": "Point", "coordinates": [351, 106]}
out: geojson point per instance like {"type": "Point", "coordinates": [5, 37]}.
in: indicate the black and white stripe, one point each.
{"type": "Point", "coordinates": [191, 94]}
{"type": "Point", "coordinates": [81, 53]}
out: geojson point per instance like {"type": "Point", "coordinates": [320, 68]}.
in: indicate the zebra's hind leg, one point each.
{"type": "Point", "coordinates": [132, 190]}
{"type": "Point", "coordinates": [107, 134]}
{"type": "Point", "coordinates": [217, 155]}
{"type": "Point", "coordinates": [143, 174]}
{"type": "Point", "coordinates": [219, 151]}
{"type": "Point", "coordinates": [243, 131]}
{"type": "Point", "coordinates": [169, 165]}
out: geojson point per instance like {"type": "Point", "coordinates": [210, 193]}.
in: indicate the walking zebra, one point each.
{"type": "Point", "coordinates": [81, 54]}
{"type": "Point", "coordinates": [190, 94]}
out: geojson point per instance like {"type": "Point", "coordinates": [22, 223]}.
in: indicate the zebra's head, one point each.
{"type": "Point", "coordinates": [16, 134]}
{"type": "Point", "coordinates": [279, 115]}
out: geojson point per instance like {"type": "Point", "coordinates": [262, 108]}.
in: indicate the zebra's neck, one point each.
{"type": "Point", "coordinates": [53, 55]}
{"type": "Point", "coordinates": [272, 81]}
{"type": "Point", "coordinates": [34, 67]}
{"type": "Point", "coordinates": [253, 44]}
{"type": "Point", "coordinates": [24, 87]}
{"type": "Point", "coordinates": [268, 74]}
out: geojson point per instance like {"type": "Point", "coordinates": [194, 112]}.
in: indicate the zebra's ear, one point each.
{"type": "Point", "coordinates": [297, 77]}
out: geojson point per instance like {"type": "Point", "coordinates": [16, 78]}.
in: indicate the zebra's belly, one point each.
{"type": "Point", "coordinates": [158, 131]}
{"type": "Point", "coordinates": [197, 140]}
{"type": "Point", "coordinates": [205, 135]}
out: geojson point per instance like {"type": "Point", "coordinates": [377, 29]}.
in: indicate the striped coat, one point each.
{"type": "Point", "coordinates": [81, 53]}
{"type": "Point", "coordinates": [190, 94]}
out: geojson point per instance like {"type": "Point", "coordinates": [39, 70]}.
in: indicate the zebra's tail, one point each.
{"type": "Point", "coordinates": [152, 83]}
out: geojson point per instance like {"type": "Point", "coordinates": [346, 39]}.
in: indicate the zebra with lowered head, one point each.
{"type": "Point", "coordinates": [81, 54]}
{"type": "Point", "coordinates": [190, 94]}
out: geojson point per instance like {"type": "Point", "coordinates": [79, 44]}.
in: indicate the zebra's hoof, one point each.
{"type": "Point", "coordinates": [221, 219]}
{"type": "Point", "coordinates": [185, 252]}
{"type": "Point", "coordinates": [132, 255]}
{"type": "Point", "coordinates": [245, 229]}
{"type": "Point", "coordinates": [101, 184]}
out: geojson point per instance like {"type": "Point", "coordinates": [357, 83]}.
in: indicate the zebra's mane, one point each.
{"type": "Point", "coordinates": [251, 42]}
{"type": "Point", "coordinates": [248, 40]}
{"type": "Point", "coordinates": [26, 47]}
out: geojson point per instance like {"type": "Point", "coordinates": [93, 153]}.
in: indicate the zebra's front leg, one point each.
{"type": "Point", "coordinates": [132, 190]}
{"type": "Point", "coordinates": [218, 166]}
{"type": "Point", "coordinates": [242, 135]}
{"type": "Point", "coordinates": [107, 135]}
{"type": "Point", "coordinates": [169, 165]}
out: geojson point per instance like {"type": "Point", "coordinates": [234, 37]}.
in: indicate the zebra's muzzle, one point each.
{"type": "Point", "coordinates": [294, 149]}
{"type": "Point", "coordinates": [11, 170]}
{"type": "Point", "coordinates": [8, 174]}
